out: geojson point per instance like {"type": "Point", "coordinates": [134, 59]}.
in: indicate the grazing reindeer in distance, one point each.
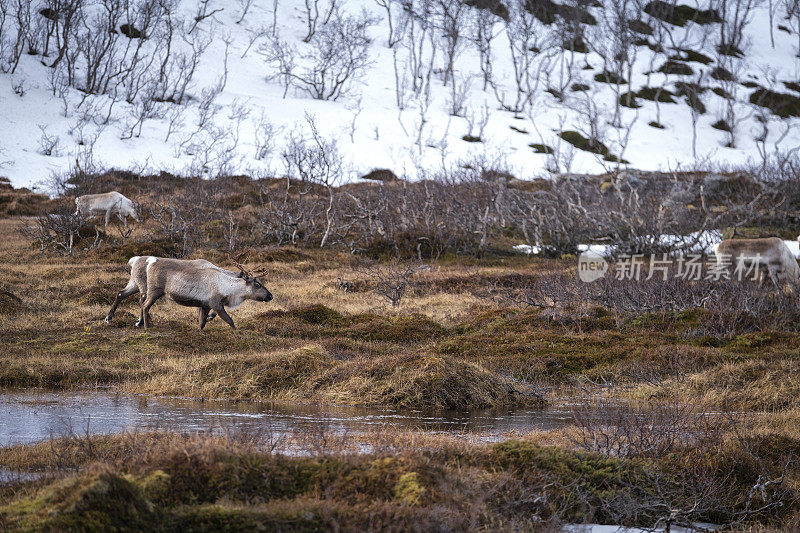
{"type": "Point", "coordinates": [108, 204]}
{"type": "Point", "coordinates": [196, 283]}
{"type": "Point", "coordinates": [770, 254]}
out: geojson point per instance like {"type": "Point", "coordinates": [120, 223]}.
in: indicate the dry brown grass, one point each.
{"type": "Point", "coordinates": [445, 346]}
{"type": "Point", "coordinates": [54, 336]}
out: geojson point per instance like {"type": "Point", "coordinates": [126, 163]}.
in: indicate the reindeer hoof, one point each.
{"type": "Point", "coordinates": [107, 320]}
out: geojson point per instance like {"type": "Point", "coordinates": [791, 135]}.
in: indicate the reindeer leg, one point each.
{"type": "Point", "coordinates": [129, 289]}
{"type": "Point", "coordinates": [140, 322]}
{"type": "Point", "coordinates": [124, 220]}
{"type": "Point", "coordinates": [212, 315]}
{"type": "Point", "coordinates": [152, 296]}
{"type": "Point", "coordinates": [773, 275]}
{"type": "Point", "coordinates": [220, 310]}
{"type": "Point", "coordinates": [108, 219]}
{"type": "Point", "coordinates": [202, 313]}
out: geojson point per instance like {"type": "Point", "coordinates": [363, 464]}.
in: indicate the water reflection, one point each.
{"type": "Point", "coordinates": [31, 416]}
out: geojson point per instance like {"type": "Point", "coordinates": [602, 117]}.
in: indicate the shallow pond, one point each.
{"type": "Point", "coordinates": [29, 416]}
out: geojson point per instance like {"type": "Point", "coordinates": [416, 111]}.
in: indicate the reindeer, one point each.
{"type": "Point", "coordinates": [108, 203]}
{"type": "Point", "coordinates": [771, 254]}
{"type": "Point", "coordinates": [138, 283]}
{"type": "Point", "coordinates": [193, 283]}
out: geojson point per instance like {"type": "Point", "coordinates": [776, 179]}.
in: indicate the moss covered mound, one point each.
{"type": "Point", "coordinates": [104, 502]}
{"type": "Point", "coordinates": [422, 382]}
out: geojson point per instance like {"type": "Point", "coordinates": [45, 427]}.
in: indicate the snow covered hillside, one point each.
{"type": "Point", "coordinates": [224, 86]}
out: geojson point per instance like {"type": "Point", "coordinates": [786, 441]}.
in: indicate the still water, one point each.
{"type": "Point", "coordinates": [29, 416]}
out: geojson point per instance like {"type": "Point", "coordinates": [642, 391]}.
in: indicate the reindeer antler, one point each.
{"type": "Point", "coordinates": [235, 260]}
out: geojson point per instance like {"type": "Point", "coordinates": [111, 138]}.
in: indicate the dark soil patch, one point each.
{"type": "Point", "coordinates": [548, 12]}
{"type": "Point", "coordinates": [640, 26]}
{"type": "Point", "coordinates": [576, 44]}
{"type": "Point", "coordinates": [719, 91]}
{"type": "Point", "coordinates": [722, 74]}
{"type": "Point", "coordinates": [676, 67]}
{"type": "Point", "coordinates": [129, 31]}
{"type": "Point", "coordinates": [629, 100]}
{"type": "Point", "coordinates": [792, 85]}
{"type": "Point", "coordinates": [782, 104]}
{"type": "Point", "coordinates": [692, 92]}
{"type": "Point", "coordinates": [609, 77]}
{"type": "Point", "coordinates": [730, 50]}
{"type": "Point", "coordinates": [49, 13]}
{"type": "Point", "coordinates": [696, 57]}
{"type": "Point", "coordinates": [656, 94]}
{"type": "Point", "coordinates": [721, 125]}
{"type": "Point", "coordinates": [680, 14]}
{"type": "Point", "coordinates": [541, 148]}
{"type": "Point", "coordinates": [495, 7]}
{"type": "Point", "coordinates": [589, 145]}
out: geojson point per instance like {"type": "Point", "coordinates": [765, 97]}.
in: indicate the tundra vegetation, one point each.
{"type": "Point", "coordinates": [416, 300]}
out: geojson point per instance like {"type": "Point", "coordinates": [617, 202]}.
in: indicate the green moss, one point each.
{"type": "Point", "coordinates": [221, 518]}
{"type": "Point", "coordinates": [316, 314]}
{"type": "Point", "coordinates": [409, 489]}
{"type": "Point", "coordinates": [155, 486]}
{"type": "Point", "coordinates": [579, 141]}
{"type": "Point", "coordinates": [400, 329]}
{"type": "Point", "coordinates": [541, 148]}
{"type": "Point", "coordinates": [104, 502]}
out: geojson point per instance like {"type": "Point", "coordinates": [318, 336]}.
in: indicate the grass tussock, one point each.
{"type": "Point", "coordinates": [167, 482]}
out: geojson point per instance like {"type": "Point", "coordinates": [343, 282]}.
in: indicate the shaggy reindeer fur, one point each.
{"type": "Point", "coordinates": [770, 254]}
{"type": "Point", "coordinates": [107, 203]}
{"type": "Point", "coordinates": [194, 283]}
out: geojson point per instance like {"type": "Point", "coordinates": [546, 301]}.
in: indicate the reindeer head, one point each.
{"type": "Point", "coordinates": [256, 290]}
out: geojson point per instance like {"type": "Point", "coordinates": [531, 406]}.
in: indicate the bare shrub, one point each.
{"type": "Point", "coordinates": [651, 431]}
{"type": "Point", "coordinates": [392, 280]}
{"type": "Point", "coordinates": [62, 232]}
{"type": "Point", "coordinates": [317, 162]}
{"type": "Point", "coordinates": [336, 57]}
{"type": "Point", "coordinates": [49, 145]}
